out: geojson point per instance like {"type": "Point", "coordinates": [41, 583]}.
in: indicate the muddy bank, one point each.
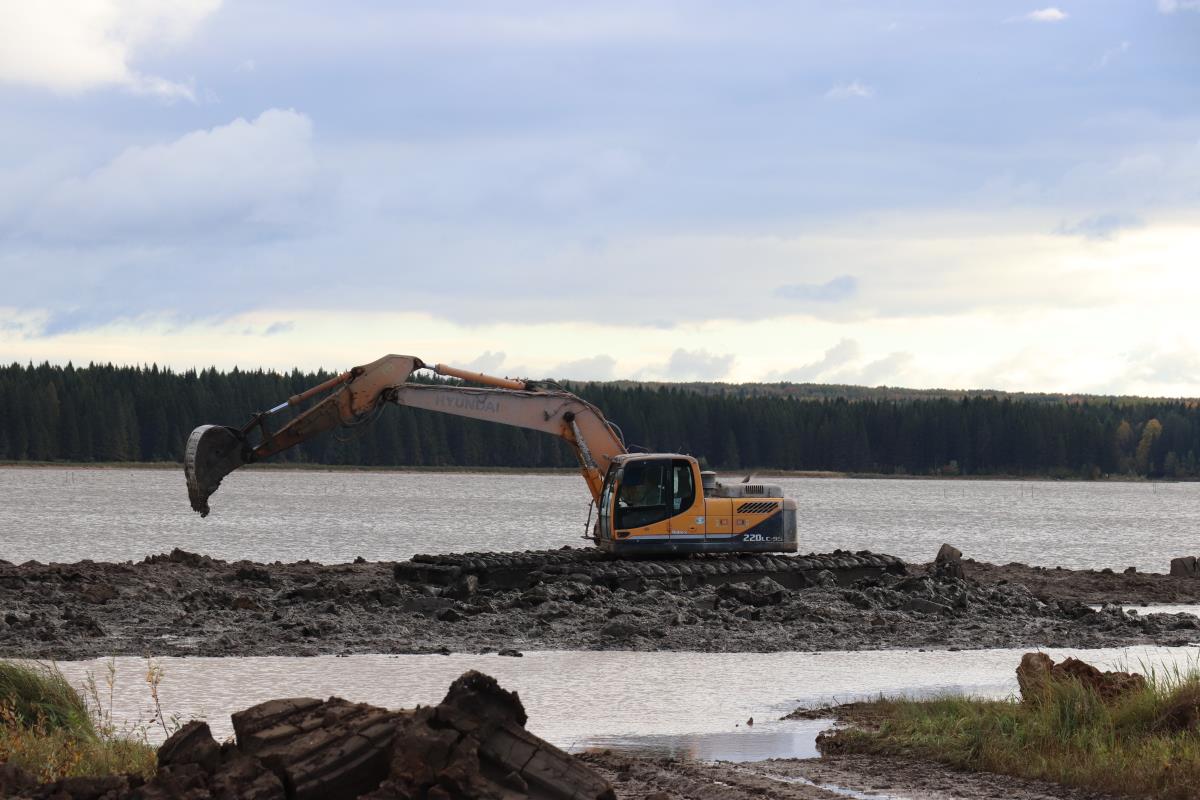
{"type": "Point", "coordinates": [186, 604]}
{"type": "Point", "coordinates": [1091, 585]}
{"type": "Point", "coordinates": [827, 778]}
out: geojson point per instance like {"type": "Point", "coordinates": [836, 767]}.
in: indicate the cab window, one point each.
{"type": "Point", "coordinates": [684, 486]}
{"type": "Point", "coordinates": [645, 493]}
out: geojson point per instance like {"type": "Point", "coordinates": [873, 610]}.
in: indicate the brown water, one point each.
{"type": "Point", "coordinates": [288, 515]}
{"type": "Point", "coordinates": [692, 704]}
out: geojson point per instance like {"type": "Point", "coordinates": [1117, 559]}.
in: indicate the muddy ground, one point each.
{"type": "Point", "coordinates": [188, 604]}
{"type": "Point", "coordinates": [1091, 586]}
{"type": "Point", "coordinates": [829, 778]}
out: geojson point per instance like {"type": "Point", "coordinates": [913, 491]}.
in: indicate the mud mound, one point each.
{"type": "Point", "coordinates": [472, 745]}
{"type": "Point", "coordinates": [1037, 672]}
{"type": "Point", "coordinates": [186, 604]}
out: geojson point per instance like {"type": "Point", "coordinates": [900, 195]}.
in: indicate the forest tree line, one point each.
{"type": "Point", "coordinates": [103, 413]}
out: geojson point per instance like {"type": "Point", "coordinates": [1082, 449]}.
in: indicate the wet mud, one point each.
{"type": "Point", "coordinates": [187, 604]}
{"type": "Point", "coordinates": [1094, 586]}
{"type": "Point", "coordinates": [828, 778]}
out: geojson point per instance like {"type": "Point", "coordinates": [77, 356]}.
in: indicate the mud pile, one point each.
{"type": "Point", "coordinates": [472, 745]}
{"type": "Point", "coordinates": [187, 604]}
{"type": "Point", "coordinates": [1037, 672]}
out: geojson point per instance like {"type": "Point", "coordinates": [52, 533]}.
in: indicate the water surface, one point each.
{"type": "Point", "coordinates": [266, 515]}
{"type": "Point", "coordinates": [695, 704]}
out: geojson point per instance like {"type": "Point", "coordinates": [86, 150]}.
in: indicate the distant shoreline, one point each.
{"type": "Point", "coordinates": [758, 473]}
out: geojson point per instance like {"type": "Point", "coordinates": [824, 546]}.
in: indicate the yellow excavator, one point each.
{"type": "Point", "coordinates": [648, 503]}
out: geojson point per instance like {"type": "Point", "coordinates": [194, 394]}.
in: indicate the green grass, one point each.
{"type": "Point", "coordinates": [49, 729]}
{"type": "Point", "coordinates": [1146, 744]}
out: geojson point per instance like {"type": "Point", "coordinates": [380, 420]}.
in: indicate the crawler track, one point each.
{"type": "Point", "coordinates": [507, 571]}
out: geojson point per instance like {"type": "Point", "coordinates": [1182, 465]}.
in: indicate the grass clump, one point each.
{"type": "Point", "coordinates": [49, 729]}
{"type": "Point", "coordinates": [1145, 743]}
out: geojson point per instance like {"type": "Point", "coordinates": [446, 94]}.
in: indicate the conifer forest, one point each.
{"type": "Point", "coordinates": [105, 413]}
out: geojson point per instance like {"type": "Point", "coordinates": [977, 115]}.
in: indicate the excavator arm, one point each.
{"type": "Point", "coordinates": [213, 451]}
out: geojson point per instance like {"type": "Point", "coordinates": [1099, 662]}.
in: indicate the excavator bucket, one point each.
{"type": "Point", "coordinates": [213, 451]}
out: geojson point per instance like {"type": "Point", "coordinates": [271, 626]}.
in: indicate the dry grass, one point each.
{"type": "Point", "coordinates": [1146, 744]}
{"type": "Point", "coordinates": [49, 729]}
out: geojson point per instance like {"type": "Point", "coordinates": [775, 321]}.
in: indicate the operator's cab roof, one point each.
{"type": "Point", "coordinates": [626, 458]}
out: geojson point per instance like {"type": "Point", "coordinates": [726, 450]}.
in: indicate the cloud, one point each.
{"type": "Point", "coordinates": [840, 288]}
{"type": "Point", "coordinates": [886, 370]}
{"type": "Point", "coordinates": [280, 327]}
{"type": "Point", "coordinates": [840, 364]}
{"type": "Point", "coordinates": [1100, 226]}
{"type": "Point", "coordinates": [487, 362]}
{"type": "Point", "coordinates": [247, 177]}
{"type": "Point", "coordinates": [1164, 366]}
{"type": "Point", "coordinates": [1050, 14]}
{"type": "Point", "coordinates": [854, 89]}
{"type": "Point", "coordinates": [842, 353]}
{"type": "Point", "coordinates": [690, 365]}
{"type": "Point", "coordinates": [596, 368]}
{"type": "Point", "coordinates": [1113, 53]}
{"type": "Point", "coordinates": [1171, 6]}
{"type": "Point", "coordinates": [76, 45]}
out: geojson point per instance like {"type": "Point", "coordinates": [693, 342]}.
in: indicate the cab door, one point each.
{"type": "Point", "coordinates": [642, 501]}
{"type": "Point", "coordinates": [687, 516]}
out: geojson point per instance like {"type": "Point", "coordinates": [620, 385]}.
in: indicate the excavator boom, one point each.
{"type": "Point", "coordinates": [214, 451]}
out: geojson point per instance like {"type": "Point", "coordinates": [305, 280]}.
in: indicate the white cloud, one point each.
{"type": "Point", "coordinates": [1112, 53]}
{"type": "Point", "coordinates": [842, 353]}
{"type": "Point", "coordinates": [488, 362]}
{"type": "Point", "coordinates": [1100, 226]}
{"type": "Point", "coordinates": [689, 365]}
{"type": "Point", "coordinates": [835, 290]}
{"type": "Point", "coordinates": [244, 177]}
{"type": "Point", "coordinates": [1171, 366]}
{"type": "Point", "coordinates": [842, 364]}
{"type": "Point", "coordinates": [595, 368]}
{"type": "Point", "coordinates": [853, 89]}
{"type": "Point", "coordinates": [75, 45]}
{"type": "Point", "coordinates": [1171, 6]}
{"type": "Point", "coordinates": [890, 370]}
{"type": "Point", "coordinates": [1050, 14]}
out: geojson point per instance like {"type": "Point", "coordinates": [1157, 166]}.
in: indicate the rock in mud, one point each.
{"type": "Point", "coordinates": [948, 563]}
{"type": "Point", "coordinates": [763, 592]}
{"type": "Point", "coordinates": [472, 745]}
{"type": "Point", "coordinates": [1186, 567]}
{"type": "Point", "coordinates": [1037, 672]}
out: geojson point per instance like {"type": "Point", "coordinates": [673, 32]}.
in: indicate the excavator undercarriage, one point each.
{"type": "Point", "coordinates": [465, 573]}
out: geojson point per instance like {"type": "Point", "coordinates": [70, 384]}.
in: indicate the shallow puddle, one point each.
{"type": "Point", "coordinates": [694, 704]}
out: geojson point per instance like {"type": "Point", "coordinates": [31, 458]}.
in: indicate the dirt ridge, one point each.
{"type": "Point", "coordinates": [184, 603]}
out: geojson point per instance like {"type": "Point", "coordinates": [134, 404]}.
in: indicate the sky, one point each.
{"type": "Point", "coordinates": [927, 194]}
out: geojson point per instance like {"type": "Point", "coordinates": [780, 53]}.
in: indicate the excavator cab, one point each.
{"type": "Point", "coordinates": [661, 504]}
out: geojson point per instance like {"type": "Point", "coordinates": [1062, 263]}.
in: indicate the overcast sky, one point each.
{"type": "Point", "coordinates": [927, 194]}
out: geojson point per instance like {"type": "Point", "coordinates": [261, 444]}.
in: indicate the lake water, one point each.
{"type": "Point", "coordinates": [266, 515]}
{"type": "Point", "coordinates": [694, 704]}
